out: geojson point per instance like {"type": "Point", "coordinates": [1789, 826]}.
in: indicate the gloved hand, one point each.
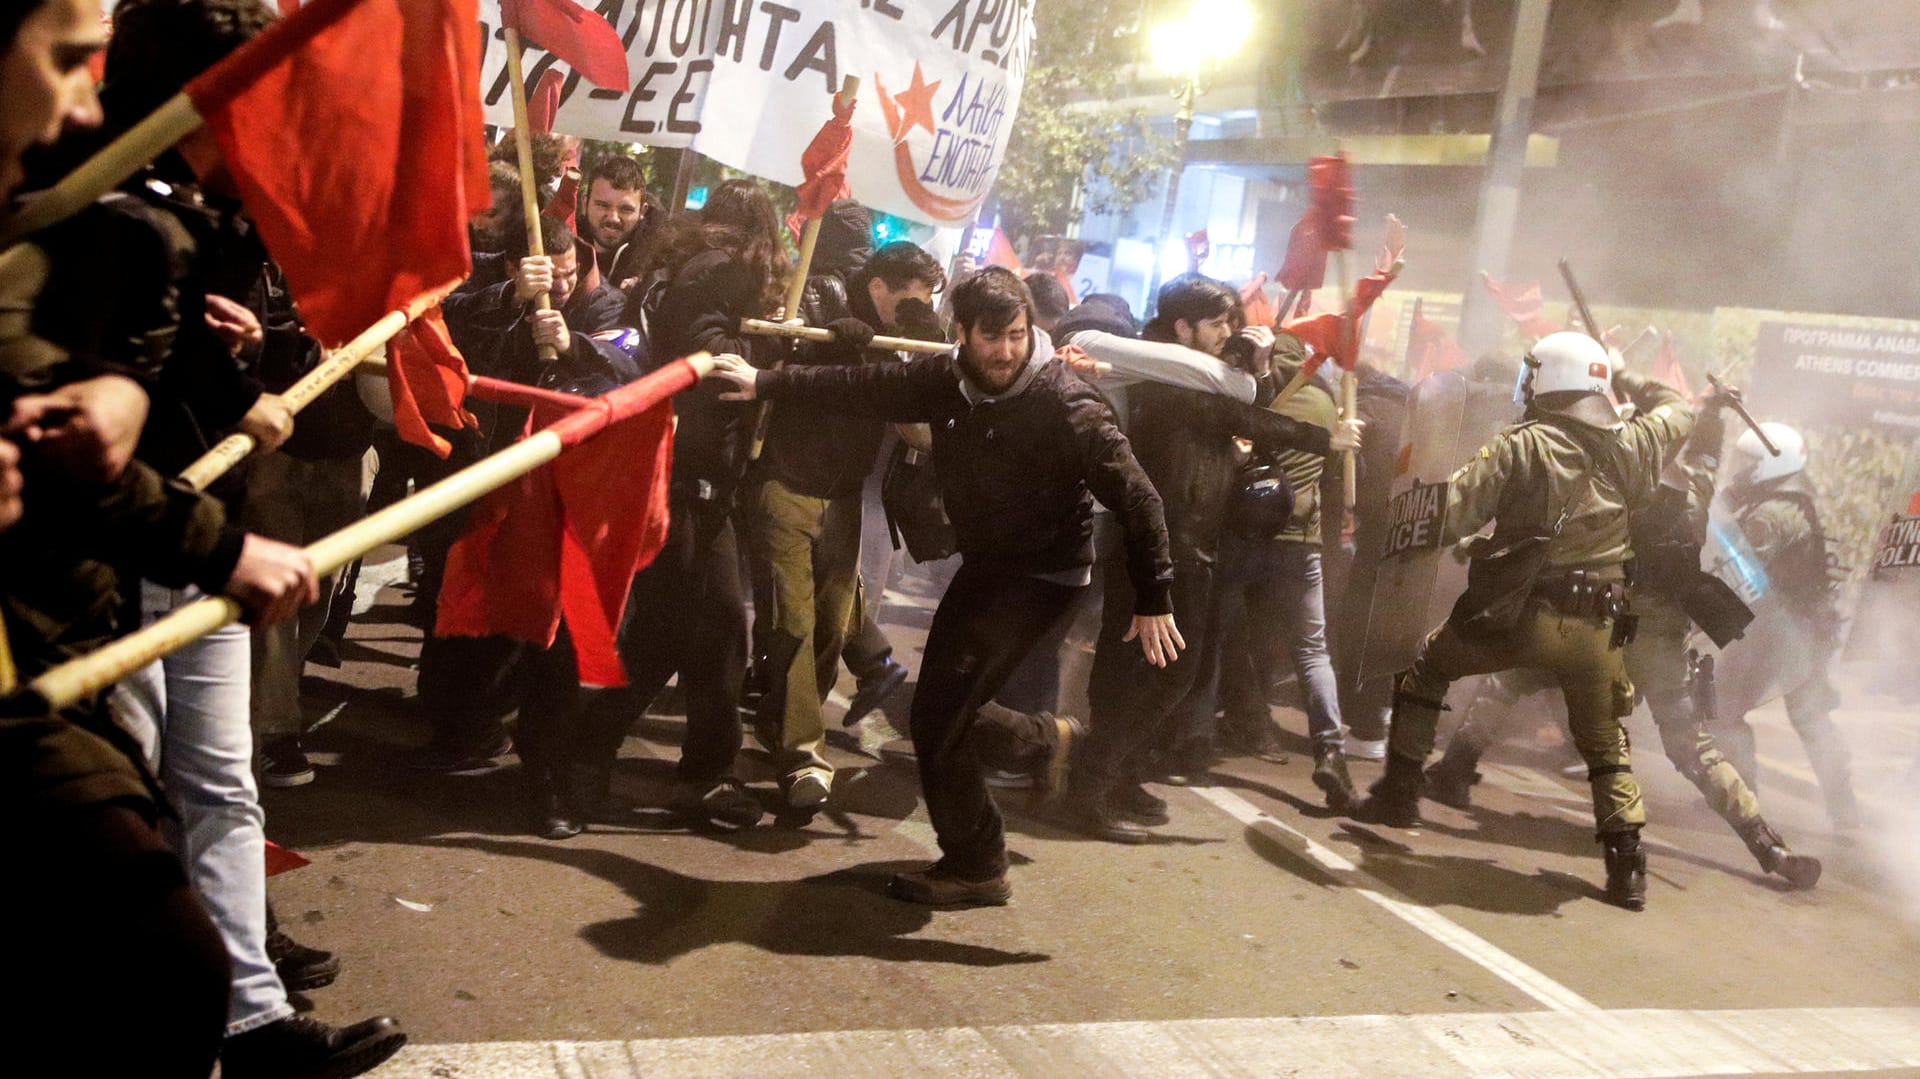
{"type": "Point", "coordinates": [851, 331]}
{"type": "Point", "coordinates": [918, 320]}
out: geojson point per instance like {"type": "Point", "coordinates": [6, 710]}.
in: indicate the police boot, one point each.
{"type": "Point", "coordinates": [1330, 775]}
{"type": "Point", "coordinates": [1800, 870]}
{"type": "Point", "coordinates": [1451, 781]}
{"type": "Point", "coordinates": [1626, 869]}
{"type": "Point", "coordinates": [1394, 798]}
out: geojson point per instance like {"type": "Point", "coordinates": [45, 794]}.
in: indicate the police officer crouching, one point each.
{"type": "Point", "coordinates": [1548, 589]}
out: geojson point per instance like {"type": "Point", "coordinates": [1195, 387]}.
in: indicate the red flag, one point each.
{"type": "Point", "coordinates": [565, 540]}
{"type": "Point", "coordinates": [360, 175]}
{"type": "Point", "coordinates": [1337, 334]}
{"type": "Point", "coordinates": [1199, 246]}
{"type": "Point", "coordinates": [1254, 302]}
{"type": "Point", "coordinates": [1330, 201]}
{"type": "Point", "coordinates": [544, 103]}
{"type": "Point", "coordinates": [427, 379]}
{"type": "Point", "coordinates": [1434, 349]}
{"type": "Point", "coordinates": [565, 206]}
{"type": "Point", "coordinates": [1522, 303]}
{"type": "Point", "coordinates": [1305, 267]}
{"type": "Point", "coordinates": [1000, 253]}
{"type": "Point", "coordinates": [587, 42]}
{"type": "Point", "coordinates": [824, 164]}
{"type": "Point", "coordinates": [1666, 368]}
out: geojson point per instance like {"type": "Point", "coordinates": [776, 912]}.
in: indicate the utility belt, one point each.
{"type": "Point", "coordinates": [1598, 594]}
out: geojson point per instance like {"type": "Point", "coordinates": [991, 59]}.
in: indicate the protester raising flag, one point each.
{"type": "Point", "coordinates": [566, 540]}
{"type": "Point", "coordinates": [587, 42]}
{"type": "Point", "coordinates": [358, 155]}
{"type": "Point", "coordinates": [1522, 303]}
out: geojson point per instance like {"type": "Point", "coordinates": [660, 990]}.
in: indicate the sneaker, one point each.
{"type": "Point", "coordinates": [283, 763]}
{"type": "Point", "coordinates": [937, 886]}
{"type": "Point", "coordinates": [874, 691]}
{"type": "Point", "coordinates": [809, 788]}
{"type": "Point", "coordinates": [453, 759]}
{"type": "Point", "coordinates": [301, 968]}
{"type": "Point", "coordinates": [1366, 749]}
{"type": "Point", "coordinates": [301, 1047]}
{"type": "Point", "coordinates": [725, 801]}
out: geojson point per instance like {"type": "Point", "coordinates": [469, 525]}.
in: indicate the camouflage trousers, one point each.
{"type": "Point", "coordinates": [1576, 653]}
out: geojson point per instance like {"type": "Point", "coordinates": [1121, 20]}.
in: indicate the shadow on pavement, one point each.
{"type": "Point", "coordinates": [842, 913]}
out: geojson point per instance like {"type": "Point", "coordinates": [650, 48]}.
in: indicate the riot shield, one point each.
{"type": "Point", "coordinates": [1888, 616]}
{"type": "Point", "coordinates": [1779, 649]}
{"type": "Point", "coordinates": [1448, 420]}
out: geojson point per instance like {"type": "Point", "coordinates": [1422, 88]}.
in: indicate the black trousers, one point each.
{"type": "Point", "coordinates": [687, 614]}
{"type": "Point", "coordinates": [1133, 701]}
{"type": "Point", "coordinates": [986, 624]}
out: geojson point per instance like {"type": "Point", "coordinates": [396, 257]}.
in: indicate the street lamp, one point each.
{"type": "Point", "coordinates": [1211, 30]}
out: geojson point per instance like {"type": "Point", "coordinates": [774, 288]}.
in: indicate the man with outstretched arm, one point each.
{"type": "Point", "coordinates": [1023, 449]}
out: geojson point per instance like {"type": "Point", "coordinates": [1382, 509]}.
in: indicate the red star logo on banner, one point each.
{"type": "Point", "coordinates": [916, 103]}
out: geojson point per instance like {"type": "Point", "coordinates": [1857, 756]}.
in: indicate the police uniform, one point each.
{"type": "Point", "coordinates": [1662, 669]}
{"type": "Point", "coordinates": [1564, 477]}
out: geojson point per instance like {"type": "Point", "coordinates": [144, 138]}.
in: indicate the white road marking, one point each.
{"type": "Point", "coordinates": [1442, 929]}
{"type": "Point", "coordinates": [1539, 1045]}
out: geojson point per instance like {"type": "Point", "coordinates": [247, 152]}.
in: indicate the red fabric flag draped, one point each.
{"type": "Point", "coordinates": [359, 156]}
{"type": "Point", "coordinates": [427, 379]}
{"type": "Point", "coordinates": [1000, 253]}
{"type": "Point", "coordinates": [1522, 303]}
{"type": "Point", "coordinates": [1326, 226]}
{"type": "Point", "coordinates": [1254, 302]}
{"type": "Point", "coordinates": [587, 42]}
{"type": "Point", "coordinates": [543, 105]}
{"type": "Point", "coordinates": [1337, 334]}
{"type": "Point", "coordinates": [565, 540]}
{"type": "Point", "coordinates": [824, 164]}
{"type": "Point", "coordinates": [1666, 368]}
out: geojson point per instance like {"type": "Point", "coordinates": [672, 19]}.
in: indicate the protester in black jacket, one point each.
{"type": "Point", "coordinates": [1185, 441]}
{"type": "Point", "coordinates": [1023, 447]}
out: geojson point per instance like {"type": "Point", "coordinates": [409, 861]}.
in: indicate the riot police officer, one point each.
{"type": "Point", "coordinates": [1548, 589]}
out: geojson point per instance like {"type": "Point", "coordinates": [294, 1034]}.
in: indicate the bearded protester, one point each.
{"type": "Point", "coordinates": [1024, 447]}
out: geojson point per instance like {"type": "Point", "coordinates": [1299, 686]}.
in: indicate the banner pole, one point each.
{"type": "Point", "coordinates": [763, 328]}
{"type": "Point", "coordinates": [529, 188]}
{"type": "Point", "coordinates": [73, 681]}
{"type": "Point", "coordinates": [336, 365]}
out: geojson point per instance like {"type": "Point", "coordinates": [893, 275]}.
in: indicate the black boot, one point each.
{"type": "Point", "coordinates": [1626, 869]}
{"type": "Point", "coordinates": [1451, 781]}
{"type": "Point", "coordinates": [1330, 775]}
{"type": "Point", "coordinates": [603, 730]}
{"type": "Point", "coordinates": [1394, 798]}
{"type": "Point", "coordinates": [548, 812]}
{"type": "Point", "coordinates": [1142, 806]}
{"type": "Point", "coordinates": [1800, 870]}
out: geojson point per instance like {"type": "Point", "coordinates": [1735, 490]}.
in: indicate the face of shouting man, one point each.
{"type": "Point", "coordinates": [611, 214]}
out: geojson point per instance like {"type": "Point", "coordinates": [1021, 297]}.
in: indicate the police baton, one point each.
{"type": "Point", "coordinates": [1580, 302]}
{"type": "Point", "coordinates": [1733, 399]}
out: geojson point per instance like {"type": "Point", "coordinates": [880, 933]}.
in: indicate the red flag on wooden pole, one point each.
{"type": "Point", "coordinates": [1522, 303]}
{"type": "Point", "coordinates": [359, 156]}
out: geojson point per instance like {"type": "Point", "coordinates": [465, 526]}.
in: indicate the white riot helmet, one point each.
{"type": "Point", "coordinates": [1753, 464]}
{"type": "Point", "coordinates": [1568, 362]}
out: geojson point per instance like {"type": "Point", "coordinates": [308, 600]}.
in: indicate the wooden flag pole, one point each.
{"type": "Point", "coordinates": [797, 288]}
{"type": "Point", "coordinates": [73, 681]}
{"type": "Point", "coordinates": [1349, 381]}
{"type": "Point", "coordinates": [336, 365]}
{"type": "Point", "coordinates": [763, 328]}
{"type": "Point", "coordinates": [529, 188]}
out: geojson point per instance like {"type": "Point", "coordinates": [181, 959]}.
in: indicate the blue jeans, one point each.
{"type": "Point", "coordinates": [1264, 590]}
{"type": "Point", "coordinates": [193, 706]}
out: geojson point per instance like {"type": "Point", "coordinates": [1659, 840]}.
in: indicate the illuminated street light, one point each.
{"type": "Point", "coordinates": [1210, 31]}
